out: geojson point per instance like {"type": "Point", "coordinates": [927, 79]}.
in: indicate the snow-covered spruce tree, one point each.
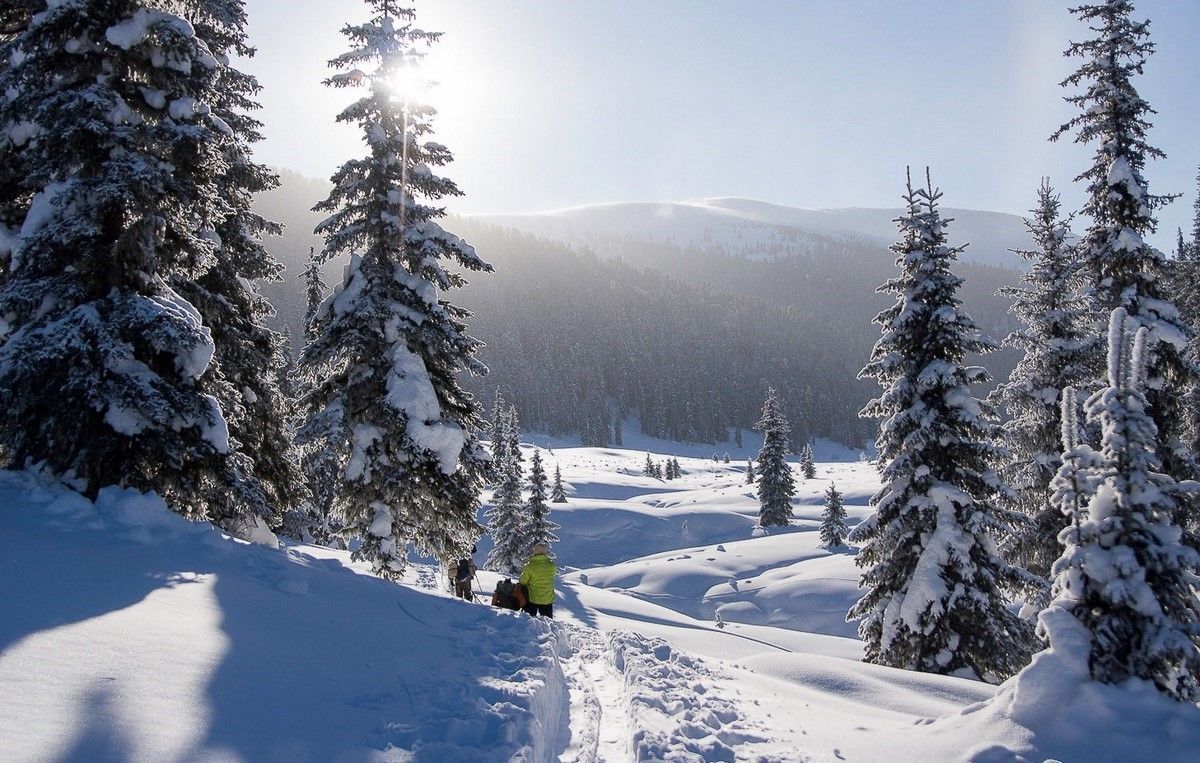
{"type": "Point", "coordinates": [1126, 271]}
{"type": "Point", "coordinates": [808, 467]}
{"type": "Point", "coordinates": [750, 472]}
{"type": "Point", "coordinates": [931, 569]}
{"type": "Point", "coordinates": [833, 519]}
{"type": "Point", "coordinates": [249, 355]}
{"type": "Point", "coordinates": [315, 291]}
{"type": "Point", "coordinates": [1059, 343]}
{"type": "Point", "coordinates": [390, 349]}
{"type": "Point", "coordinates": [540, 529]}
{"type": "Point", "coordinates": [508, 519]}
{"type": "Point", "coordinates": [1125, 587]}
{"type": "Point", "coordinates": [120, 166]}
{"type": "Point", "coordinates": [321, 440]}
{"type": "Point", "coordinates": [512, 438]}
{"type": "Point", "coordinates": [776, 485]}
{"type": "Point", "coordinates": [558, 494]}
{"type": "Point", "coordinates": [648, 469]}
{"type": "Point", "coordinates": [498, 433]}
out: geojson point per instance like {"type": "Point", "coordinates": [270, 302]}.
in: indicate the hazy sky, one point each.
{"type": "Point", "coordinates": [555, 103]}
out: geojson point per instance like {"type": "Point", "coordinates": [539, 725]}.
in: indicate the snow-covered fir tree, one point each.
{"type": "Point", "coordinates": [776, 485]}
{"type": "Point", "coordinates": [1059, 345]}
{"type": "Point", "coordinates": [539, 527]}
{"type": "Point", "coordinates": [249, 356]}
{"type": "Point", "coordinates": [750, 477]}
{"type": "Point", "coordinates": [315, 291]}
{"type": "Point", "coordinates": [116, 181]}
{"type": "Point", "coordinates": [498, 433]}
{"type": "Point", "coordinates": [648, 469]}
{"type": "Point", "coordinates": [1126, 271]}
{"type": "Point", "coordinates": [1125, 587]}
{"type": "Point", "coordinates": [725, 458]}
{"type": "Point", "coordinates": [320, 440]}
{"type": "Point", "coordinates": [558, 494]}
{"type": "Point", "coordinates": [808, 467]}
{"type": "Point", "coordinates": [512, 437]}
{"type": "Point", "coordinates": [508, 521]}
{"type": "Point", "coordinates": [677, 467]}
{"type": "Point", "coordinates": [657, 471]}
{"type": "Point", "coordinates": [833, 519]}
{"type": "Point", "coordinates": [931, 569]}
{"type": "Point", "coordinates": [390, 349]}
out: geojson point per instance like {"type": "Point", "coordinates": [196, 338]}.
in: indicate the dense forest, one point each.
{"type": "Point", "coordinates": [684, 339]}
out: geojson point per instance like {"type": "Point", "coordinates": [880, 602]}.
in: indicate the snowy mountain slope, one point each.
{"type": "Point", "coordinates": [760, 229]}
{"type": "Point", "coordinates": [127, 633]}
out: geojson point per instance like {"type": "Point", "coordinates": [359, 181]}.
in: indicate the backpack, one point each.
{"type": "Point", "coordinates": [506, 595]}
{"type": "Point", "coordinates": [464, 570]}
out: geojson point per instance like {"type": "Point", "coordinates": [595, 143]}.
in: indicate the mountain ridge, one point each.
{"type": "Point", "coordinates": [761, 229]}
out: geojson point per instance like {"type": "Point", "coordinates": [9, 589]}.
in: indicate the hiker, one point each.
{"type": "Point", "coordinates": [538, 581]}
{"type": "Point", "coordinates": [463, 573]}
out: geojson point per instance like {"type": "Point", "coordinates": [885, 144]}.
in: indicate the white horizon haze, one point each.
{"type": "Point", "coordinates": [818, 105]}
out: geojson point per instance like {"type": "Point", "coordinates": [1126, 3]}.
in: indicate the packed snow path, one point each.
{"type": "Point", "coordinates": [637, 698]}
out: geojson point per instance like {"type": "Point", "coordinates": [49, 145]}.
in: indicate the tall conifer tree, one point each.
{"type": "Point", "coordinates": [1126, 271]}
{"type": "Point", "coordinates": [776, 485]}
{"type": "Point", "coordinates": [119, 183]}
{"type": "Point", "coordinates": [249, 355]}
{"type": "Point", "coordinates": [540, 528]}
{"type": "Point", "coordinates": [833, 519]}
{"type": "Point", "coordinates": [1059, 346]}
{"type": "Point", "coordinates": [389, 348]}
{"type": "Point", "coordinates": [559, 494]}
{"type": "Point", "coordinates": [508, 517]}
{"type": "Point", "coordinates": [931, 569]}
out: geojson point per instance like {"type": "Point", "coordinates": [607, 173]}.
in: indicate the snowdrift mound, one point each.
{"type": "Point", "coordinates": [1052, 709]}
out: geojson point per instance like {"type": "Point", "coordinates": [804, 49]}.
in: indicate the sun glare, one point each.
{"type": "Point", "coordinates": [410, 83]}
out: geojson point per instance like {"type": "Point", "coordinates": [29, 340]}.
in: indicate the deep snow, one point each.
{"type": "Point", "coordinates": [127, 632]}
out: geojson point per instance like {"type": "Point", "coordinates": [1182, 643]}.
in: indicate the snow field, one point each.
{"type": "Point", "coordinates": [128, 633]}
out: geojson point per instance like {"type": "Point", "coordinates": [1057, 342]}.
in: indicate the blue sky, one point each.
{"type": "Point", "coordinates": [550, 104]}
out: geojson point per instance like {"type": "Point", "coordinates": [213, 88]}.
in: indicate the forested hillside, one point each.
{"type": "Point", "coordinates": [685, 339]}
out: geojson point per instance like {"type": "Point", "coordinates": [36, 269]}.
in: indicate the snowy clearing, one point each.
{"type": "Point", "coordinates": [127, 632]}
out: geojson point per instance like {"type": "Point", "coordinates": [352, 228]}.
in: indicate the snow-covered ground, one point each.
{"type": "Point", "coordinates": [129, 633]}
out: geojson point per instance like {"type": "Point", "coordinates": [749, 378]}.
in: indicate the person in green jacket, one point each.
{"type": "Point", "coordinates": [538, 580]}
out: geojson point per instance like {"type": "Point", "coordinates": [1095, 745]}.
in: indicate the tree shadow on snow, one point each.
{"type": "Point", "coordinates": [325, 665]}
{"type": "Point", "coordinates": [101, 739]}
{"type": "Point", "coordinates": [53, 592]}
{"type": "Point", "coordinates": [566, 598]}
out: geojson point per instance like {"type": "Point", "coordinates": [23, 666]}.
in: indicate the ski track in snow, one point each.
{"type": "Point", "coordinates": [637, 698]}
